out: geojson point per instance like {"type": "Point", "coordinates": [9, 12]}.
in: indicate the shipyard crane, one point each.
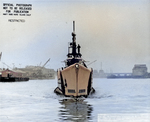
{"type": "Point", "coordinates": [7, 66]}
{"type": "Point", "coordinates": [46, 63]}
{"type": "Point", "coordinates": [39, 70]}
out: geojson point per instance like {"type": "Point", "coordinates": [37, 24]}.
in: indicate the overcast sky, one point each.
{"type": "Point", "coordinates": [114, 32]}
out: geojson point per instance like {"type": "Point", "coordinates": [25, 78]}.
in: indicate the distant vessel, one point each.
{"type": "Point", "coordinates": [12, 76]}
{"type": "Point", "coordinates": [39, 72]}
{"type": "Point", "coordinates": [119, 75]}
{"type": "Point", "coordinates": [75, 79]}
{"type": "Point", "coordinates": [99, 74]}
{"type": "Point", "coordinates": [138, 71]}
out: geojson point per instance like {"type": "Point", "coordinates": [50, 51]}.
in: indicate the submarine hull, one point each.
{"type": "Point", "coordinates": [75, 80]}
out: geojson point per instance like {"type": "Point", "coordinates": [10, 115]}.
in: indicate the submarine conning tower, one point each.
{"type": "Point", "coordinates": [73, 49]}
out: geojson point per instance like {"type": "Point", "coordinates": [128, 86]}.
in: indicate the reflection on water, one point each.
{"type": "Point", "coordinates": [75, 110]}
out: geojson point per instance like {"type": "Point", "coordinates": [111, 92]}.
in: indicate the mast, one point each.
{"type": "Point", "coordinates": [73, 45]}
{"type": "Point", "coordinates": [74, 26]}
{"type": "Point", "coordinates": [73, 40]}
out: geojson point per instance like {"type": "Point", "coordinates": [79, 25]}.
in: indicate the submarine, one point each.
{"type": "Point", "coordinates": [75, 78]}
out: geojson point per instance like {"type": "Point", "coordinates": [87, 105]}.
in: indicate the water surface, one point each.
{"type": "Point", "coordinates": [35, 101]}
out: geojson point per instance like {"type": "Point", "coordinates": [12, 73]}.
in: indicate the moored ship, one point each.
{"type": "Point", "coordinates": [75, 79]}
{"type": "Point", "coordinates": [12, 76]}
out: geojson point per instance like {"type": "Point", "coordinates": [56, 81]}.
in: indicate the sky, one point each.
{"type": "Point", "coordinates": [114, 32]}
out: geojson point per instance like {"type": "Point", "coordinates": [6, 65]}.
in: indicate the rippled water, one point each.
{"type": "Point", "coordinates": [35, 101]}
